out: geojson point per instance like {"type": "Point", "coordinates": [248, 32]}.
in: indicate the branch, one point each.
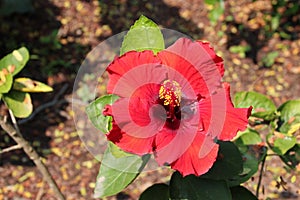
{"type": "Point", "coordinates": [15, 133]}
{"type": "Point", "coordinates": [15, 147]}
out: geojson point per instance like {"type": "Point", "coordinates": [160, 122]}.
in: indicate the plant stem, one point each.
{"type": "Point", "coordinates": [260, 175]}
{"type": "Point", "coordinates": [14, 132]}
{"type": "Point", "coordinates": [8, 149]}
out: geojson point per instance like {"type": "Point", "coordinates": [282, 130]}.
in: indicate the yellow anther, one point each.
{"type": "Point", "coordinates": [170, 92]}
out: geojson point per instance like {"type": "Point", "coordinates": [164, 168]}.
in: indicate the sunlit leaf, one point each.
{"type": "Point", "coordinates": [291, 126]}
{"type": "Point", "coordinates": [143, 35]}
{"type": "Point", "coordinates": [15, 61]}
{"type": "Point", "coordinates": [117, 172]}
{"type": "Point", "coordinates": [289, 109]}
{"type": "Point", "coordinates": [263, 107]}
{"type": "Point", "coordinates": [29, 85]}
{"type": "Point", "coordinates": [95, 112]}
{"type": "Point", "coordinates": [282, 145]}
{"type": "Point", "coordinates": [6, 81]}
{"type": "Point", "coordinates": [269, 59]}
{"type": "Point", "coordinates": [248, 137]}
{"type": "Point", "coordinates": [19, 103]}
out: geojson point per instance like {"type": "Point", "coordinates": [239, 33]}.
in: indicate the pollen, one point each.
{"type": "Point", "coordinates": [170, 93]}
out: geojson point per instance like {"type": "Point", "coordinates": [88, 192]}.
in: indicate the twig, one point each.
{"type": "Point", "coordinates": [15, 147]}
{"type": "Point", "coordinates": [260, 175]}
{"type": "Point", "coordinates": [55, 101]}
{"type": "Point", "coordinates": [15, 133]}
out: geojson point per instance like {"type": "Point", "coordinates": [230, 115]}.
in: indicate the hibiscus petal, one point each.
{"type": "Point", "coordinates": [221, 120]}
{"type": "Point", "coordinates": [128, 143]}
{"type": "Point", "coordinates": [208, 66]}
{"type": "Point", "coordinates": [191, 163]}
{"type": "Point", "coordinates": [236, 118]}
{"type": "Point", "coordinates": [120, 67]}
{"type": "Point", "coordinates": [171, 144]}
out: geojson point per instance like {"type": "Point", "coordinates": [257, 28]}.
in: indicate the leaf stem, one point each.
{"type": "Point", "coordinates": [260, 175]}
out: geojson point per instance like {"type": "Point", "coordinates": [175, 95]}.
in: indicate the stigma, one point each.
{"type": "Point", "coordinates": [170, 93]}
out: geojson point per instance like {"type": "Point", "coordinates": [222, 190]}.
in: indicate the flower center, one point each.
{"type": "Point", "coordinates": [170, 93]}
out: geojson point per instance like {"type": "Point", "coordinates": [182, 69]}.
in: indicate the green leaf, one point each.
{"type": "Point", "coordinates": [241, 193]}
{"type": "Point", "coordinates": [6, 81]}
{"type": "Point", "coordinates": [239, 49]}
{"type": "Point", "coordinates": [289, 109]}
{"type": "Point", "coordinates": [251, 155]}
{"type": "Point", "coordinates": [229, 162]}
{"type": "Point", "coordinates": [248, 137]}
{"type": "Point", "coordinates": [95, 109]}
{"type": "Point", "coordinates": [216, 12]}
{"type": "Point", "coordinates": [290, 126]}
{"type": "Point", "coordinates": [292, 157]}
{"type": "Point", "coordinates": [197, 188]}
{"type": "Point", "coordinates": [211, 2]}
{"type": "Point", "coordinates": [143, 35]}
{"type": "Point", "coordinates": [29, 85]}
{"type": "Point", "coordinates": [275, 22]}
{"type": "Point", "coordinates": [282, 145]}
{"type": "Point", "coordinates": [15, 61]}
{"type": "Point", "coordinates": [19, 103]}
{"type": "Point", "coordinates": [158, 191]}
{"type": "Point", "coordinates": [263, 107]}
{"type": "Point", "coordinates": [117, 172]}
{"type": "Point", "coordinates": [269, 59]}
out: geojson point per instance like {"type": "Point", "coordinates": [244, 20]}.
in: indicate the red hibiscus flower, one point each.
{"type": "Point", "coordinates": [174, 105]}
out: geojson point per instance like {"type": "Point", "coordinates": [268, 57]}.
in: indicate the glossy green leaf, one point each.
{"type": "Point", "coordinates": [6, 81]}
{"type": "Point", "coordinates": [117, 172]}
{"type": "Point", "coordinates": [19, 103]}
{"type": "Point", "coordinates": [290, 126]}
{"type": "Point", "coordinates": [263, 107]}
{"type": "Point", "coordinates": [292, 157]}
{"type": "Point", "coordinates": [289, 109]}
{"type": "Point", "coordinates": [248, 137]}
{"type": "Point", "coordinates": [282, 145]}
{"type": "Point", "coordinates": [229, 162]}
{"type": "Point", "coordinates": [29, 85]}
{"type": "Point", "coordinates": [143, 35]}
{"type": "Point", "coordinates": [252, 156]}
{"type": "Point", "coordinates": [95, 112]}
{"type": "Point", "coordinates": [15, 61]}
{"type": "Point", "coordinates": [241, 193]}
{"type": "Point", "coordinates": [197, 188]}
{"type": "Point", "coordinates": [158, 191]}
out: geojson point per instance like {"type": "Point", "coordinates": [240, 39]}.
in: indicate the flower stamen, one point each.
{"type": "Point", "coordinates": [170, 93]}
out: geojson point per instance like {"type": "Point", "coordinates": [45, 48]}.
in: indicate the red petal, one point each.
{"type": "Point", "coordinates": [130, 60]}
{"type": "Point", "coordinates": [236, 118]}
{"type": "Point", "coordinates": [191, 163]}
{"type": "Point", "coordinates": [195, 59]}
{"type": "Point", "coordinates": [128, 143]}
{"type": "Point", "coordinates": [220, 119]}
